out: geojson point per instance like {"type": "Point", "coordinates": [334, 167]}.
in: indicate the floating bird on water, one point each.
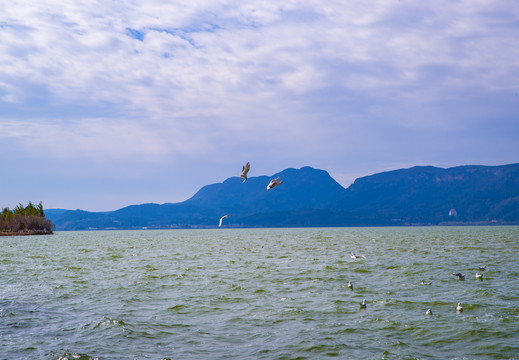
{"type": "Point", "coordinates": [459, 275]}
{"type": "Point", "coordinates": [350, 285]}
{"type": "Point", "coordinates": [244, 171]}
{"type": "Point", "coordinates": [428, 312]}
{"type": "Point", "coordinates": [363, 304]}
{"type": "Point", "coordinates": [425, 283]}
{"type": "Point", "coordinates": [479, 276]}
{"type": "Point", "coordinates": [483, 268]}
{"type": "Point", "coordinates": [273, 183]}
{"type": "Point", "coordinates": [223, 217]}
{"type": "Point", "coordinates": [355, 256]}
{"type": "Point", "coordinates": [459, 308]}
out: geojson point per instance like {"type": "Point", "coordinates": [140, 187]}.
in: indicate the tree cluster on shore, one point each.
{"type": "Point", "coordinates": [28, 219]}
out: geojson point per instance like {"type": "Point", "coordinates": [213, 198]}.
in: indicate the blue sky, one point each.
{"type": "Point", "coordinates": [105, 104]}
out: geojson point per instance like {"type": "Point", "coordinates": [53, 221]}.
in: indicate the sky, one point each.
{"type": "Point", "coordinates": [106, 104]}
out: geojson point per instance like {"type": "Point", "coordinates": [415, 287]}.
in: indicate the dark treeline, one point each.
{"type": "Point", "coordinates": [28, 219]}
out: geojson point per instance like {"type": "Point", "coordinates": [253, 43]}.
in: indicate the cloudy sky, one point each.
{"type": "Point", "coordinates": [105, 104]}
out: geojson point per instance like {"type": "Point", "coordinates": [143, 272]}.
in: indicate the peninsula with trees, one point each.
{"type": "Point", "coordinates": [25, 220]}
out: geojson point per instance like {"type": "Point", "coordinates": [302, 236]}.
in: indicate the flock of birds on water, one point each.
{"type": "Point", "coordinates": [363, 305]}
{"type": "Point", "coordinates": [460, 276]}
{"type": "Point", "coordinates": [245, 170]}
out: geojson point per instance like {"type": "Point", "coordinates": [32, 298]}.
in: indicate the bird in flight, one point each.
{"type": "Point", "coordinates": [273, 183]}
{"type": "Point", "coordinates": [356, 256]}
{"type": "Point", "coordinates": [244, 171]}
{"type": "Point", "coordinates": [459, 275]}
{"type": "Point", "coordinates": [223, 217]}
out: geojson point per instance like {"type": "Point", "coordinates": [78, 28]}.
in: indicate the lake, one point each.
{"type": "Point", "coordinates": [261, 294]}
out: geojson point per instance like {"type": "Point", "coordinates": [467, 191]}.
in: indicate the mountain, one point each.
{"type": "Point", "coordinates": [53, 213]}
{"type": "Point", "coordinates": [425, 194]}
{"type": "Point", "coordinates": [311, 197]}
{"type": "Point", "coordinates": [306, 188]}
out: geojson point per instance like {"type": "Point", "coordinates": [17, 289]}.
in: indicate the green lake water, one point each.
{"type": "Point", "coordinates": [261, 294]}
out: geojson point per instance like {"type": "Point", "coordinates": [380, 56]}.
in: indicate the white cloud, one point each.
{"type": "Point", "coordinates": [206, 52]}
{"type": "Point", "coordinates": [158, 80]}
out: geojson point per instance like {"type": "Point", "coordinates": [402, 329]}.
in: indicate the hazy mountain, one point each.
{"type": "Point", "coordinates": [310, 197]}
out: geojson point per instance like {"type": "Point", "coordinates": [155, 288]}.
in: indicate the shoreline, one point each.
{"type": "Point", "coordinates": [25, 233]}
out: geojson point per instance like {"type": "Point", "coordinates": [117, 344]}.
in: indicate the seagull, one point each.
{"type": "Point", "coordinates": [363, 304]}
{"type": "Point", "coordinates": [479, 276]}
{"type": "Point", "coordinates": [355, 256]}
{"type": "Point", "coordinates": [350, 285]}
{"type": "Point", "coordinates": [459, 275]}
{"type": "Point", "coordinates": [459, 308]}
{"type": "Point", "coordinates": [223, 217]}
{"type": "Point", "coordinates": [274, 183]}
{"type": "Point", "coordinates": [244, 171]}
{"type": "Point", "coordinates": [425, 283]}
{"type": "Point", "coordinates": [428, 312]}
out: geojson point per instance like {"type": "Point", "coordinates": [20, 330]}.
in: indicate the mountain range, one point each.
{"type": "Point", "coordinates": [421, 195]}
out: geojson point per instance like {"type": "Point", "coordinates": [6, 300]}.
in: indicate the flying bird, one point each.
{"type": "Point", "coordinates": [459, 275]}
{"type": "Point", "coordinates": [223, 217]}
{"type": "Point", "coordinates": [273, 183]}
{"type": "Point", "coordinates": [356, 256]}
{"type": "Point", "coordinates": [244, 171]}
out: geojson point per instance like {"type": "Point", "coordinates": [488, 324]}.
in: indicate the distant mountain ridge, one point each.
{"type": "Point", "coordinates": [311, 197]}
{"type": "Point", "coordinates": [426, 193]}
{"type": "Point", "coordinates": [307, 188]}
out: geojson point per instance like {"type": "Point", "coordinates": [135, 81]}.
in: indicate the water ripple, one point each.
{"type": "Point", "coordinates": [260, 294]}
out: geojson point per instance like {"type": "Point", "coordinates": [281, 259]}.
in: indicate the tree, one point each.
{"type": "Point", "coordinates": [7, 214]}
{"type": "Point", "coordinates": [40, 210]}
{"type": "Point", "coordinates": [28, 219]}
